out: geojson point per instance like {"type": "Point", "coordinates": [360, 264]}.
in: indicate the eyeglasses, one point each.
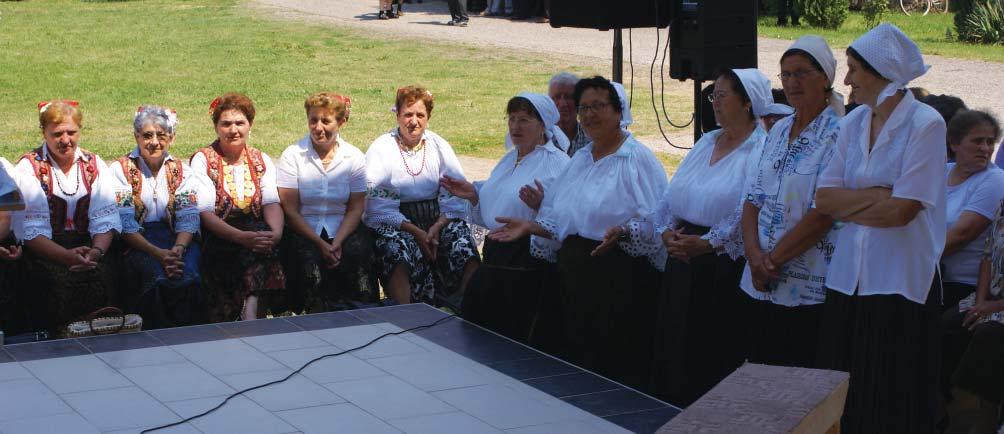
{"type": "Point", "coordinates": [161, 136]}
{"type": "Point", "coordinates": [717, 95]}
{"type": "Point", "coordinates": [798, 75]}
{"type": "Point", "coordinates": [595, 108]}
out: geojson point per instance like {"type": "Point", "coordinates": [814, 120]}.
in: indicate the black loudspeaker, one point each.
{"type": "Point", "coordinates": [708, 34]}
{"type": "Point", "coordinates": [610, 14]}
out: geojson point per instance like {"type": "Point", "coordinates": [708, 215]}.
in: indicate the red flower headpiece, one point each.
{"type": "Point", "coordinates": [44, 105]}
{"type": "Point", "coordinates": [214, 104]}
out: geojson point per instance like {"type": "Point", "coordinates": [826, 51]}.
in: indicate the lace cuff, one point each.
{"type": "Point", "coordinates": [105, 219]}
{"type": "Point", "coordinates": [186, 222]}
{"type": "Point", "coordinates": [545, 248]}
{"type": "Point", "coordinates": [641, 241]}
{"type": "Point", "coordinates": [726, 236]}
{"type": "Point", "coordinates": [672, 222]}
{"type": "Point", "coordinates": [100, 227]}
{"type": "Point", "coordinates": [35, 225]}
{"type": "Point", "coordinates": [129, 223]}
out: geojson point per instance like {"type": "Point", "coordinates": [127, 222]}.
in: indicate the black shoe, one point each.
{"type": "Point", "coordinates": [391, 14]}
{"type": "Point", "coordinates": [383, 15]}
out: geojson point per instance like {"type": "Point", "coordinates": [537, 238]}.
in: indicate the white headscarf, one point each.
{"type": "Point", "coordinates": [626, 118]}
{"type": "Point", "coordinates": [549, 114]}
{"type": "Point", "coordinates": [887, 49]}
{"type": "Point", "coordinates": [821, 52]}
{"type": "Point", "coordinates": [757, 87]}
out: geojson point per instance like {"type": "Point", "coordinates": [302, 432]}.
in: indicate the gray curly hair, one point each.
{"type": "Point", "coordinates": [154, 114]}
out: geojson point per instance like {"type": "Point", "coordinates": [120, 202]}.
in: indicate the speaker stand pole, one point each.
{"type": "Point", "coordinates": [698, 124]}
{"type": "Point", "coordinates": [618, 55]}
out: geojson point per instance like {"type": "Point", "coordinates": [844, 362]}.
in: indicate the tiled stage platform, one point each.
{"type": "Point", "coordinates": [453, 378]}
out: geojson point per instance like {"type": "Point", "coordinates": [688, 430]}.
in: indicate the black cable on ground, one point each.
{"type": "Point", "coordinates": [651, 83]}
{"type": "Point", "coordinates": [305, 365]}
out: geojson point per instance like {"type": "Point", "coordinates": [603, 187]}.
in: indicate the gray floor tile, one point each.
{"type": "Point", "coordinates": [448, 423]}
{"type": "Point", "coordinates": [240, 415]}
{"type": "Point", "coordinates": [336, 419]}
{"type": "Point", "coordinates": [432, 371]}
{"type": "Point", "coordinates": [284, 341]}
{"type": "Point", "coordinates": [505, 407]}
{"type": "Point", "coordinates": [76, 374]}
{"type": "Point", "coordinates": [227, 357]}
{"type": "Point", "coordinates": [332, 369]}
{"type": "Point", "coordinates": [117, 409]}
{"type": "Point", "coordinates": [58, 424]}
{"type": "Point", "coordinates": [176, 382]}
{"type": "Point", "coordinates": [598, 426]}
{"type": "Point", "coordinates": [141, 357]}
{"type": "Point", "coordinates": [356, 336]}
{"type": "Point", "coordinates": [13, 371]}
{"type": "Point", "coordinates": [297, 392]}
{"type": "Point", "coordinates": [178, 429]}
{"type": "Point", "coordinates": [389, 398]}
{"type": "Point", "coordinates": [26, 399]}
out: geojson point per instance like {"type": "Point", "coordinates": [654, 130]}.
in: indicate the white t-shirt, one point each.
{"type": "Point", "coordinates": [981, 193]}
{"type": "Point", "coordinates": [909, 156]}
{"type": "Point", "coordinates": [324, 192]}
{"type": "Point", "coordinates": [394, 176]}
{"type": "Point", "coordinates": [102, 211]}
{"type": "Point", "coordinates": [499, 195]}
{"type": "Point", "coordinates": [154, 195]}
{"type": "Point", "coordinates": [207, 195]}
{"type": "Point", "coordinates": [591, 196]}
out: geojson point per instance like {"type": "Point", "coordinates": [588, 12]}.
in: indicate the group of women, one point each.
{"type": "Point", "coordinates": [816, 242]}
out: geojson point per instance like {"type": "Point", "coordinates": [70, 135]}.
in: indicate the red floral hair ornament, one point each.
{"type": "Point", "coordinates": [214, 104]}
{"type": "Point", "coordinates": [44, 105]}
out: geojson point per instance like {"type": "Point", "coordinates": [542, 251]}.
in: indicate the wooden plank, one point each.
{"type": "Point", "coordinates": [767, 400]}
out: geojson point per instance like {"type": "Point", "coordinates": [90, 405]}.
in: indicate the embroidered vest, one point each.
{"type": "Point", "coordinates": [44, 172]}
{"type": "Point", "coordinates": [174, 174]}
{"type": "Point", "coordinates": [225, 203]}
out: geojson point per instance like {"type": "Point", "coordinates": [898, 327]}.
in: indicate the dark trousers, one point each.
{"type": "Point", "coordinates": [784, 9]}
{"type": "Point", "coordinates": [457, 11]}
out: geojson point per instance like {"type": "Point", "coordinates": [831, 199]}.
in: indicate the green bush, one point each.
{"type": "Point", "coordinates": [828, 14]}
{"type": "Point", "coordinates": [873, 11]}
{"type": "Point", "coordinates": [983, 24]}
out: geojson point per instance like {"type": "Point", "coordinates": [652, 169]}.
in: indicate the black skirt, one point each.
{"type": "Point", "coordinates": [313, 288]}
{"type": "Point", "coordinates": [891, 347]}
{"type": "Point", "coordinates": [699, 339]}
{"type": "Point", "coordinates": [954, 337]}
{"type": "Point", "coordinates": [608, 308]}
{"type": "Point", "coordinates": [980, 371]}
{"type": "Point", "coordinates": [505, 293]}
{"type": "Point", "coordinates": [21, 309]}
{"type": "Point", "coordinates": [782, 335]}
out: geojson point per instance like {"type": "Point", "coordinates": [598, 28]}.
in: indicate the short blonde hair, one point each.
{"type": "Point", "coordinates": [338, 104]}
{"type": "Point", "coordinates": [56, 112]}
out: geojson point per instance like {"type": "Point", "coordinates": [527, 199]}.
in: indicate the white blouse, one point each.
{"type": "Point", "coordinates": [499, 195]}
{"type": "Point", "coordinates": [8, 175]}
{"type": "Point", "coordinates": [981, 193]}
{"type": "Point", "coordinates": [908, 156]}
{"type": "Point", "coordinates": [324, 192]}
{"type": "Point", "coordinates": [394, 176]}
{"type": "Point", "coordinates": [154, 194]}
{"type": "Point", "coordinates": [709, 195]}
{"type": "Point", "coordinates": [207, 195]}
{"type": "Point", "coordinates": [34, 220]}
{"type": "Point", "coordinates": [591, 196]}
{"type": "Point", "coordinates": [782, 188]}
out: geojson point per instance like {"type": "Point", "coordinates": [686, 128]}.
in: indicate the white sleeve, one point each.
{"type": "Point", "coordinates": [186, 201]}
{"type": "Point", "coordinates": [206, 190]}
{"type": "Point", "coordinates": [383, 200]}
{"type": "Point", "coordinates": [287, 172]}
{"type": "Point", "coordinates": [924, 165]}
{"type": "Point", "coordinates": [646, 190]}
{"type": "Point", "coordinates": [103, 211]}
{"type": "Point", "coordinates": [357, 176]}
{"type": "Point", "coordinates": [124, 199]}
{"type": "Point", "coordinates": [269, 192]}
{"type": "Point", "coordinates": [988, 195]}
{"type": "Point", "coordinates": [451, 206]}
{"type": "Point", "coordinates": [34, 220]}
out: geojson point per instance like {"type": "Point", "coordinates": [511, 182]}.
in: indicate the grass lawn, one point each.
{"type": "Point", "coordinates": [114, 56]}
{"type": "Point", "coordinates": [927, 31]}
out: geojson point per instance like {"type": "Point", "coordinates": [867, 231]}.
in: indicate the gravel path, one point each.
{"type": "Point", "coordinates": [980, 84]}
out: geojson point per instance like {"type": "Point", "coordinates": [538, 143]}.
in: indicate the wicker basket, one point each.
{"type": "Point", "coordinates": [105, 321]}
